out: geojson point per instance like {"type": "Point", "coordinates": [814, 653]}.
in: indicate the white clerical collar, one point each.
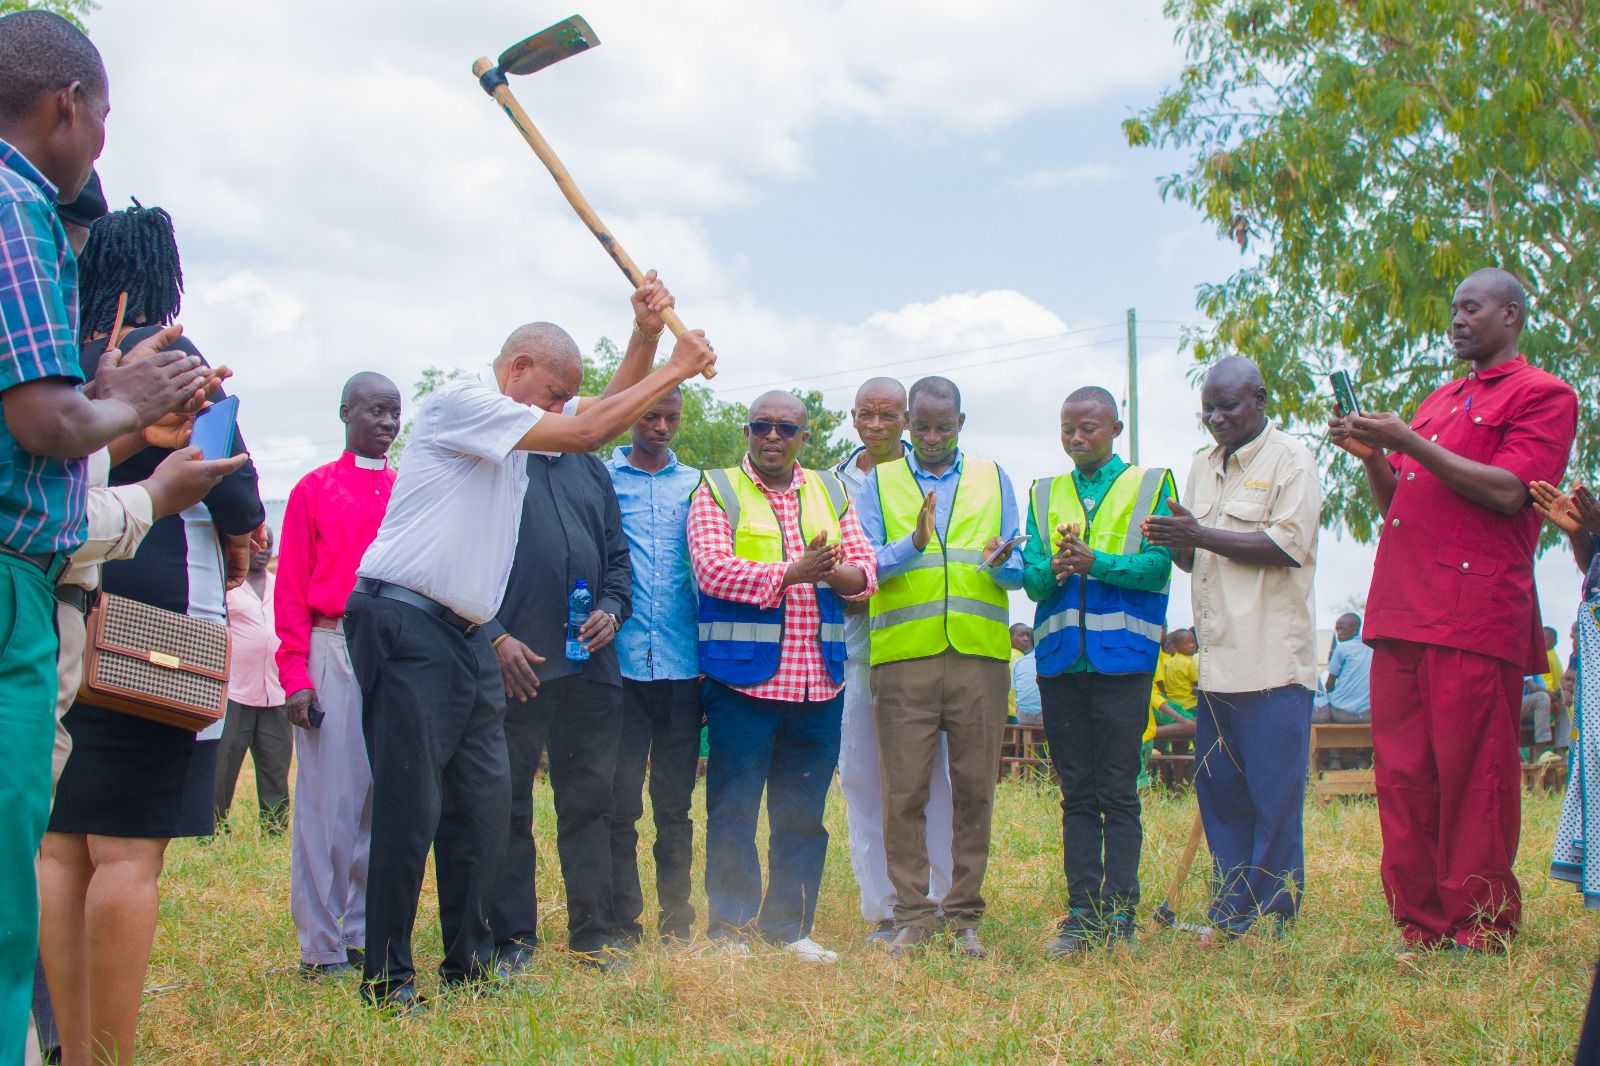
{"type": "Point", "coordinates": [364, 463]}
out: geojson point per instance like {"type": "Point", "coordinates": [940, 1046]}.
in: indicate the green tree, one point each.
{"type": "Point", "coordinates": [74, 10]}
{"type": "Point", "coordinates": [1373, 153]}
{"type": "Point", "coordinates": [712, 433]}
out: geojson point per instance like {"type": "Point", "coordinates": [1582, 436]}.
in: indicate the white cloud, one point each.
{"type": "Point", "coordinates": [266, 309]}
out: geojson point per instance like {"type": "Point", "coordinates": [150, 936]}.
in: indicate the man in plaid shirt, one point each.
{"type": "Point", "coordinates": [774, 547]}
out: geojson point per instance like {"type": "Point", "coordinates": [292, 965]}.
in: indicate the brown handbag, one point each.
{"type": "Point", "coordinates": [156, 664]}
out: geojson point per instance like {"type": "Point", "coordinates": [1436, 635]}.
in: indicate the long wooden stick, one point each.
{"type": "Point", "coordinates": [569, 188]}
{"type": "Point", "coordinates": [1196, 833]}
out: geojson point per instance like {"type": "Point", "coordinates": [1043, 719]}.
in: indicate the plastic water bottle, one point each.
{"type": "Point", "coordinates": [579, 606]}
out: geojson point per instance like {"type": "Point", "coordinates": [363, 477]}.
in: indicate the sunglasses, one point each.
{"type": "Point", "coordinates": [785, 430]}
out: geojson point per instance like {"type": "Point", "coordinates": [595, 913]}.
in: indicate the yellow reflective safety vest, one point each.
{"type": "Point", "coordinates": [741, 643]}
{"type": "Point", "coordinates": [1120, 628]}
{"type": "Point", "coordinates": [943, 601]}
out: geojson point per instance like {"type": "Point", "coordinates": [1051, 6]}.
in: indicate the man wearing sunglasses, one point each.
{"type": "Point", "coordinates": [776, 549]}
{"type": "Point", "coordinates": [941, 650]}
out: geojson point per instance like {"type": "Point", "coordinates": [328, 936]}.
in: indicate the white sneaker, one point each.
{"type": "Point", "coordinates": [809, 950]}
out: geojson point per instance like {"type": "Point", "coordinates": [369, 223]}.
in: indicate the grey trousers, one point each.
{"type": "Point", "coordinates": [264, 733]}
{"type": "Point", "coordinates": [332, 812]}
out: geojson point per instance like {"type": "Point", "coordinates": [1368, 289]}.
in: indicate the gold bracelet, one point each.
{"type": "Point", "coordinates": [647, 336]}
{"type": "Point", "coordinates": [496, 642]}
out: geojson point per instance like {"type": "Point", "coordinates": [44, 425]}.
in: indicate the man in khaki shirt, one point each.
{"type": "Point", "coordinates": [1251, 543]}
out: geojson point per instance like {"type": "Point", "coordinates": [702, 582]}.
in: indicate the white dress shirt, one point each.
{"type": "Point", "coordinates": [451, 527]}
{"type": "Point", "coordinates": [118, 520]}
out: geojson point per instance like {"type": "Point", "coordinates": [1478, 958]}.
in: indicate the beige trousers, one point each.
{"type": "Point", "coordinates": [913, 702]}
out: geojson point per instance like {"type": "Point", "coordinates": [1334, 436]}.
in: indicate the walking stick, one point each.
{"type": "Point", "coordinates": [1166, 916]}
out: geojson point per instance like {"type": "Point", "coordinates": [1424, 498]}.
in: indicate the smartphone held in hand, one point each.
{"type": "Point", "coordinates": [1344, 391]}
{"type": "Point", "coordinates": [1003, 551]}
{"type": "Point", "coordinates": [214, 429]}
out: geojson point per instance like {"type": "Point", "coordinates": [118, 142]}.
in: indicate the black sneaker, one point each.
{"type": "Point", "coordinates": [1079, 932]}
{"type": "Point", "coordinates": [1120, 933]}
{"type": "Point", "coordinates": [882, 933]}
{"type": "Point", "coordinates": [319, 971]}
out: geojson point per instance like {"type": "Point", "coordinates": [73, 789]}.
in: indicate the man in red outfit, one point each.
{"type": "Point", "coordinates": [1453, 619]}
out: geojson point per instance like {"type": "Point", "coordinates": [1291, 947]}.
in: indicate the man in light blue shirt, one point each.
{"type": "Point", "coordinates": [923, 688]}
{"type": "Point", "coordinates": [879, 418]}
{"type": "Point", "coordinates": [659, 651]}
{"type": "Point", "coordinates": [1347, 694]}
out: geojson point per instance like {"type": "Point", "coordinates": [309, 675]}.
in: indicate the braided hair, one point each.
{"type": "Point", "coordinates": [131, 251]}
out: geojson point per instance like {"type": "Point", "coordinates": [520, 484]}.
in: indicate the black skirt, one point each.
{"type": "Point", "coordinates": [128, 777]}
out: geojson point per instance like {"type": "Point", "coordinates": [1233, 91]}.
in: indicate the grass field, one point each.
{"type": "Point", "coordinates": [1337, 989]}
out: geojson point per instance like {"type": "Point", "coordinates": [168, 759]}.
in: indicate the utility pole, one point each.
{"type": "Point", "coordinates": [1133, 389]}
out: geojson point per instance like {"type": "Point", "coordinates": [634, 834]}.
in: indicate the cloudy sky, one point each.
{"type": "Point", "coordinates": [832, 188]}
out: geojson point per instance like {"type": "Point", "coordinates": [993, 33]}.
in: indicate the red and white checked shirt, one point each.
{"type": "Point", "coordinates": [802, 674]}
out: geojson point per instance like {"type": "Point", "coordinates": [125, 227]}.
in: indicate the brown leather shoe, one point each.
{"type": "Point", "coordinates": [967, 944]}
{"type": "Point", "coordinates": [908, 941]}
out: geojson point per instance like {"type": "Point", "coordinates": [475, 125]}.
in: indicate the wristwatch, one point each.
{"type": "Point", "coordinates": [616, 623]}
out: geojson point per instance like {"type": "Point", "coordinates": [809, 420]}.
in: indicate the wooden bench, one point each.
{"type": "Point", "coordinates": [1172, 768]}
{"type": "Point", "coordinates": [1332, 736]}
{"type": "Point", "coordinates": [1023, 749]}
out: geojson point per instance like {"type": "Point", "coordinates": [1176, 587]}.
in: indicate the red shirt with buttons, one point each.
{"type": "Point", "coordinates": [1453, 572]}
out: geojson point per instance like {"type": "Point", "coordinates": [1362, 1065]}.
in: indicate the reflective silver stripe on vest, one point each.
{"type": "Point", "coordinates": [729, 498]}
{"type": "Point", "coordinates": [915, 612]}
{"type": "Point", "coordinates": [926, 561]}
{"type": "Point", "coordinates": [964, 555]}
{"type": "Point", "coordinates": [742, 632]}
{"type": "Point", "coordinates": [1143, 506]}
{"type": "Point", "coordinates": [831, 633]}
{"type": "Point", "coordinates": [1113, 620]}
{"type": "Point", "coordinates": [1041, 509]}
{"type": "Point", "coordinates": [1067, 619]}
{"type": "Point", "coordinates": [835, 489]}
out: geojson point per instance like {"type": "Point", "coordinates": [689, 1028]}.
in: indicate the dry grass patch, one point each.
{"type": "Point", "coordinates": [1333, 990]}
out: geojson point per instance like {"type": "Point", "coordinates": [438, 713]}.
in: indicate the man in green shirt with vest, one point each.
{"type": "Point", "coordinates": [1102, 596]}
{"type": "Point", "coordinates": [940, 654]}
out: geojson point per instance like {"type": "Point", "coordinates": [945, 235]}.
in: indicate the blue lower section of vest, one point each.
{"type": "Point", "coordinates": [741, 644]}
{"type": "Point", "coordinates": [1121, 627]}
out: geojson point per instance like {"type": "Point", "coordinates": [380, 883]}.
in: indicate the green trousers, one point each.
{"type": "Point", "coordinates": [27, 735]}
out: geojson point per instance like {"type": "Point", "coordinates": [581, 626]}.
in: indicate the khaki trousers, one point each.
{"type": "Point", "coordinates": [964, 697]}
{"type": "Point", "coordinates": [69, 669]}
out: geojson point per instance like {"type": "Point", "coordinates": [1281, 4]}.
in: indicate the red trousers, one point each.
{"type": "Point", "coordinates": [1445, 728]}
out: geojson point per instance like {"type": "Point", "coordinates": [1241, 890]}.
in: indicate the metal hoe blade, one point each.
{"type": "Point", "coordinates": [548, 46]}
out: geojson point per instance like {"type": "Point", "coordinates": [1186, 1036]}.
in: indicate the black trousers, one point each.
{"type": "Point", "coordinates": [661, 731]}
{"type": "Point", "coordinates": [433, 711]}
{"type": "Point", "coordinates": [581, 721]}
{"type": "Point", "coordinates": [1095, 724]}
{"type": "Point", "coordinates": [265, 733]}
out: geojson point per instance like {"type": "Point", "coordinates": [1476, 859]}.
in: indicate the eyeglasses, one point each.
{"type": "Point", "coordinates": [785, 430]}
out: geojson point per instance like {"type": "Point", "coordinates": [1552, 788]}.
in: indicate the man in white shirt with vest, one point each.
{"type": "Point", "coordinates": [1102, 596]}
{"type": "Point", "coordinates": [941, 651]}
{"type": "Point", "coordinates": [879, 417]}
{"type": "Point", "coordinates": [433, 699]}
{"type": "Point", "coordinates": [1251, 543]}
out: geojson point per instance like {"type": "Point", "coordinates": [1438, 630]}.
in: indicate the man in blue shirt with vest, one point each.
{"type": "Point", "coordinates": [660, 653]}
{"type": "Point", "coordinates": [940, 649]}
{"type": "Point", "coordinates": [1102, 596]}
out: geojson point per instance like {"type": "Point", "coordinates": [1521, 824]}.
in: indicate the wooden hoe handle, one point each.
{"type": "Point", "coordinates": [569, 188]}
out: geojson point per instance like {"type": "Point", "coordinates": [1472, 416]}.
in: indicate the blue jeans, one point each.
{"type": "Point", "coordinates": [1250, 780]}
{"type": "Point", "coordinates": [790, 751]}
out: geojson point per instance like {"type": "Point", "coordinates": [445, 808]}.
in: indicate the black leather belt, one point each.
{"type": "Point", "coordinates": [399, 593]}
{"type": "Point", "coordinates": [51, 564]}
{"type": "Point", "coordinates": [77, 597]}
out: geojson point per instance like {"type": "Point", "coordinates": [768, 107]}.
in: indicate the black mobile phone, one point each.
{"type": "Point", "coordinates": [315, 715]}
{"type": "Point", "coordinates": [1344, 391]}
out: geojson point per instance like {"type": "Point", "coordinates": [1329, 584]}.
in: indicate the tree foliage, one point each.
{"type": "Point", "coordinates": [74, 10]}
{"type": "Point", "coordinates": [1372, 153]}
{"type": "Point", "coordinates": [711, 433]}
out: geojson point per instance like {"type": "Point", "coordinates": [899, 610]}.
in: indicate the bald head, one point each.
{"type": "Point", "coordinates": [1487, 314]}
{"type": "Point", "coordinates": [1233, 402]}
{"type": "Point", "coordinates": [366, 383]}
{"type": "Point", "coordinates": [540, 365]}
{"type": "Point", "coordinates": [1347, 626]}
{"type": "Point", "coordinates": [779, 406]}
{"type": "Point", "coordinates": [1235, 371]}
{"type": "Point", "coordinates": [884, 390]}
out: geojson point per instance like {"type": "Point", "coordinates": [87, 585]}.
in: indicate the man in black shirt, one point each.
{"type": "Point", "coordinates": [571, 529]}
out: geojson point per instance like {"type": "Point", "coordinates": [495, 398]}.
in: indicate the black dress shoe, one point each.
{"type": "Point", "coordinates": [882, 933]}
{"type": "Point", "coordinates": [967, 944]}
{"type": "Point", "coordinates": [355, 956]}
{"type": "Point", "coordinates": [512, 962]}
{"type": "Point", "coordinates": [318, 971]}
{"type": "Point", "coordinates": [402, 1002]}
{"type": "Point", "coordinates": [909, 940]}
